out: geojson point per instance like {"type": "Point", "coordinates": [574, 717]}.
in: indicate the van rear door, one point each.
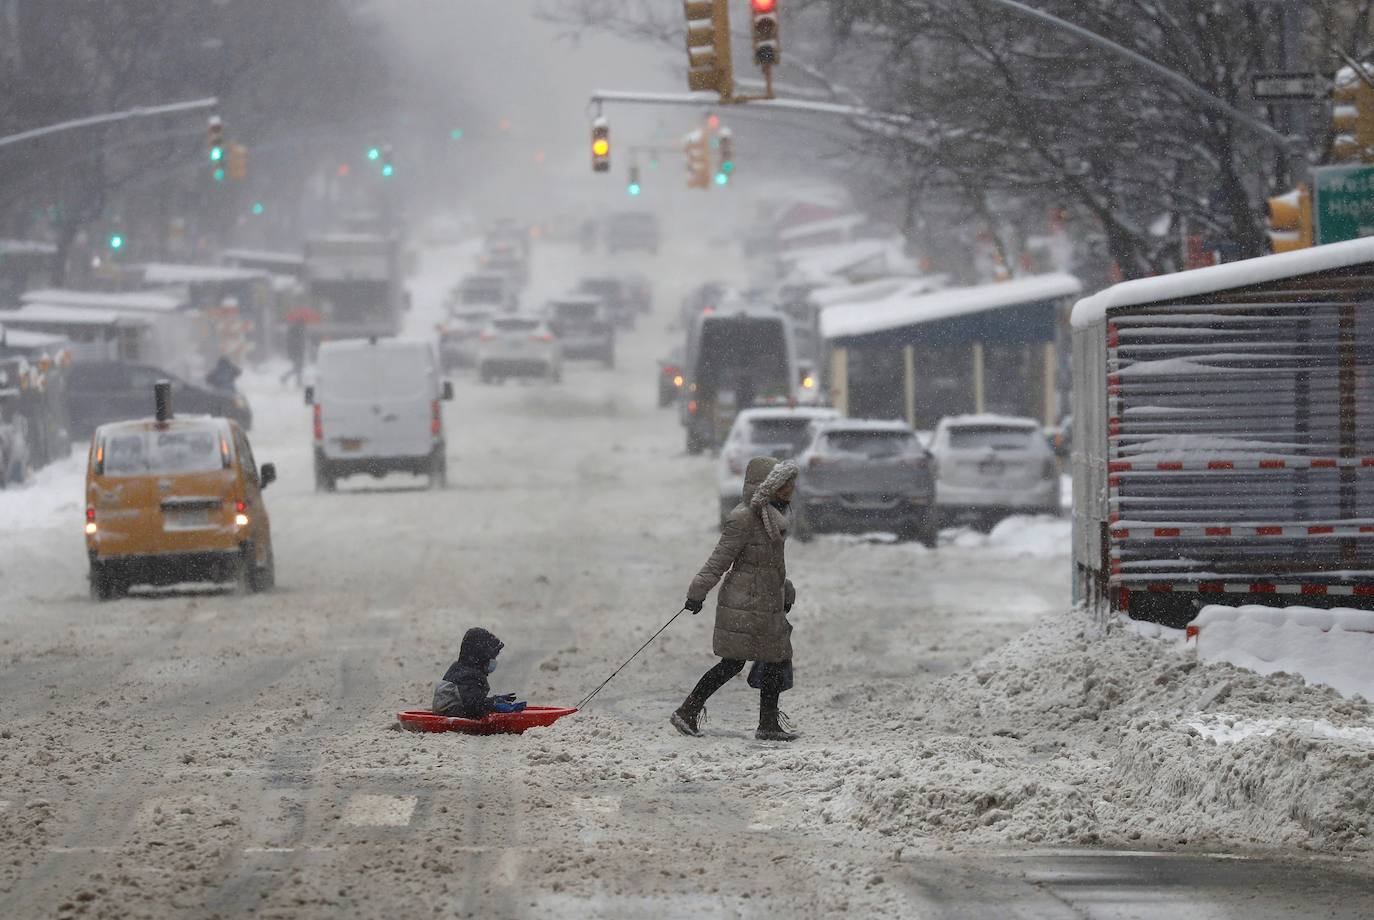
{"type": "Point", "coordinates": [378, 401]}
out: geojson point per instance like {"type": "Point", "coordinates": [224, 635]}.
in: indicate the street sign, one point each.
{"type": "Point", "coordinates": [1342, 202]}
{"type": "Point", "coordinates": [1296, 87]}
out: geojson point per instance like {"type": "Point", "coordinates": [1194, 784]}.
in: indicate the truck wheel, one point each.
{"type": "Point", "coordinates": [264, 577]}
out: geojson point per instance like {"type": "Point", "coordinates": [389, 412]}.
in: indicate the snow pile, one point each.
{"type": "Point", "coordinates": [1019, 535]}
{"type": "Point", "coordinates": [1063, 738]}
{"type": "Point", "coordinates": [1333, 647]}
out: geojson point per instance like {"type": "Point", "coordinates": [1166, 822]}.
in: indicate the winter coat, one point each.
{"type": "Point", "coordinates": [751, 623]}
{"type": "Point", "coordinates": [464, 691]}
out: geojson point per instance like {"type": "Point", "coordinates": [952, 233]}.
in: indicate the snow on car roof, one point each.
{"type": "Point", "coordinates": [592, 299]}
{"type": "Point", "coordinates": [1214, 278]}
{"type": "Point", "coordinates": [908, 309]}
{"type": "Point", "coordinates": [176, 273]}
{"type": "Point", "coordinates": [863, 424]}
{"type": "Point", "coordinates": [161, 301]}
{"type": "Point", "coordinates": [989, 418]}
{"type": "Point", "coordinates": [789, 412]}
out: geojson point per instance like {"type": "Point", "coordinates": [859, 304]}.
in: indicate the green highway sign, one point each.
{"type": "Point", "coordinates": [1342, 202]}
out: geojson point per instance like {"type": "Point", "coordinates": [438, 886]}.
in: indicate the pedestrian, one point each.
{"type": "Point", "coordinates": [462, 692]}
{"type": "Point", "coordinates": [295, 351]}
{"type": "Point", "coordinates": [752, 606]}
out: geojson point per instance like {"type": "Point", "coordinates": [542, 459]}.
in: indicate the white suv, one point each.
{"type": "Point", "coordinates": [518, 346]}
{"type": "Point", "coordinates": [989, 466]}
{"type": "Point", "coordinates": [770, 432]}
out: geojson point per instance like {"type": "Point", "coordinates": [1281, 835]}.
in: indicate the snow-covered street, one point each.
{"type": "Point", "coordinates": [196, 754]}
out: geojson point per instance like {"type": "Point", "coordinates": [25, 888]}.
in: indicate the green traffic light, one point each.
{"type": "Point", "coordinates": [722, 178]}
{"type": "Point", "coordinates": [387, 169]}
{"type": "Point", "coordinates": [456, 134]}
{"type": "Point", "coordinates": [634, 188]}
{"type": "Point", "coordinates": [257, 207]}
{"type": "Point", "coordinates": [727, 167]}
{"type": "Point", "coordinates": [216, 154]}
{"type": "Point", "coordinates": [374, 153]}
{"type": "Point", "coordinates": [219, 174]}
{"type": "Point", "coordinates": [116, 241]}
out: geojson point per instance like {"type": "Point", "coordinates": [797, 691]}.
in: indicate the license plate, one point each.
{"type": "Point", "coordinates": [186, 519]}
{"type": "Point", "coordinates": [351, 444]}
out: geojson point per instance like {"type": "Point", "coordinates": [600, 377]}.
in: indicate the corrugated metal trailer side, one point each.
{"type": "Point", "coordinates": [1239, 448]}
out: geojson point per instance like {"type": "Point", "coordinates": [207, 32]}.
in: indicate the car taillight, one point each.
{"type": "Point", "coordinates": [677, 381]}
{"type": "Point", "coordinates": [671, 370]}
{"type": "Point", "coordinates": [692, 407]}
{"type": "Point", "coordinates": [436, 419]}
{"type": "Point", "coordinates": [319, 423]}
{"type": "Point", "coordinates": [90, 520]}
{"type": "Point", "coordinates": [546, 337]}
{"type": "Point", "coordinates": [240, 514]}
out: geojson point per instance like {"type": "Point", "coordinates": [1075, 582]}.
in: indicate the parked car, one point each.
{"type": "Point", "coordinates": [493, 291]}
{"type": "Point", "coordinates": [518, 346]}
{"type": "Point", "coordinates": [583, 327]}
{"type": "Point", "coordinates": [671, 377]}
{"type": "Point", "coordinates": [14, 448]}
{"type": "Point", "coordinates": [631, 230]}
{"type": "Point", "coordinates": [989, 466]}
{"type": "Point", "coordinates": [114, 391]}
{"type": "Point", "coordinates": [612, 292]}
{"type": "Point", "coordinates": [860, 475]}
{"type": "Point", "coordinates": [779, 432]}
{"type": "Point", "coordinates": [377, 410]}
{"type": "Point", "coordinates": [459, 335]}
{"type": "Point", "coordinates": [171, 499]}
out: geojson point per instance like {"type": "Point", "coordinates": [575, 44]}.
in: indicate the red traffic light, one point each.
{"type": "Point", "coordinates": [763, 6]}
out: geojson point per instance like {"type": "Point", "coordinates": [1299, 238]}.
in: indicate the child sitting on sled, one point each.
{"type": "Point", "coordinates": [463, 691]}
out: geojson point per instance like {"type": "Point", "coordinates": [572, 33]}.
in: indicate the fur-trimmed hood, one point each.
{"type": "Point", "coordinates": [762, 480]}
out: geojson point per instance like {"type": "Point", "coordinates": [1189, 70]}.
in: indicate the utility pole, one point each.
{"type": "Point", "coordinates": [1299, 113]}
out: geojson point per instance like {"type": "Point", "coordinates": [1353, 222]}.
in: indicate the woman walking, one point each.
{"type": "Point", "coordinates": [751, 609]}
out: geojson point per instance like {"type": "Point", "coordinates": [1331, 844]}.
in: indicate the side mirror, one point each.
{"type": "Point", "coordinates": [310, 396]}
{"type": "Point", "coordinates": [267, 475]}
{"type": "Point", "coordinates": [447, 393]}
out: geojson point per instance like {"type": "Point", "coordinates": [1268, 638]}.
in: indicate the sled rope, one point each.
{"type": "Point", "coordinates": [588, 698]}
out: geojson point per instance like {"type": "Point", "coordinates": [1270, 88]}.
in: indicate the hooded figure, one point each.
{"type": "Point", "coordinates": [755, 596]}
{"type": "Point", "coordinates": [463, 691]}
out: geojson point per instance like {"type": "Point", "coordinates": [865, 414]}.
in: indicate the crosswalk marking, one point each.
{"type": "Point", "coordinates": [379, 810]}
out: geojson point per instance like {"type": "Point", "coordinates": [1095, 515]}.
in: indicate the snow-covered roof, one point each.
{"type": "Point", "coordinates": [576, 299]}
{"type": "Point", "coordinates": [27, 247]}
{"type": "Point", "coordinates": [846, 223]}
{"type": "Point", "coordinates": [899, 310]}
{"type": "Point", "coordinates": [1213, 278]}
{"type": "Point", "coordinates": [830, 263]}
{"type": "Point", "coordinates": [62, 315]}
{"type": "Point", "coordinates": [837, 294]}
{"type": "Point", "coordinates": [138, 301]}
{"type": "Point", "coordinates": [262, 255]}
{"type": "Point", "coordinates": [989, 418]}
{"type": "Point", "coordinates": [175, 273]}
{"type": "Point", "coordinates": [810, 412]}
{"type": "Point", "coordinates": [25, 338]}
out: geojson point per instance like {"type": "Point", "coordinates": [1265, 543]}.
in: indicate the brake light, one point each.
{"type": "Point", "coordinates": [546, 337]}
{"type": "Point", "coordinates": [677, 381]}
{"type": "Point", "coordinates": [707, 311]}
{"type": "Point", "coordinates": [319, 423]}
{"type": "Point", "coordinates": [671, 370]}
{"type": "Point", "coordinates": [90, 521]}
{"type": "Point", "coordinates": [436, 419]}
{"type": "Point", "coordinates": [240, 516]}
{"type": "Point", "coordinates": [692, 407]}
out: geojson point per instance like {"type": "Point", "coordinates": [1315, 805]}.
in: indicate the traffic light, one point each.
{"type": "Point", "coordinates": [767, 51]}
{"type": "Point", "coordinates": [1290, 220]}
{"type": "Point", "coordinates": [708, 46]}
{"type": "Point", "coordinates": [214, 138]}
{"type": "Point", "coordinates": [634, 187]}
{"type": "Point", "coordinates": [1352, 116]}
{"type": "Point", "coordinates": [726, 150]}
{"type": "Point", "coordinates": [238, 162]}
{"type": "Point", "coordinates": [698, 151]}
{"type": "Point", "coordinates": [116, 242]}
{"type": "Point", "coordinates": [387, 168]}
{"type": "Point", "coordinates": [374, 153]}
{"type": "Point", "coordinates": [601, 145]}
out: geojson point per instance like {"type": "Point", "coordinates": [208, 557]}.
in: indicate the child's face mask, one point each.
{"type": "Point", "coordinates": [491, 666]}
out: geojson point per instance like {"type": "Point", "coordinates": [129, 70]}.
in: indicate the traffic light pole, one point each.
{"type": "Point", "coordinates": [173, 108]}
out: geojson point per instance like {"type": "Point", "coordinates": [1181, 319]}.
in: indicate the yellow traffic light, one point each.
{"type": "Point", "coordinates": [601, 145]}
{"type": "Point", "coordinates": [1352, 116]}
{"type": "Point", "coordinates": [708, 47]}
{"type": "Point", "coordinates": [1290, 220]}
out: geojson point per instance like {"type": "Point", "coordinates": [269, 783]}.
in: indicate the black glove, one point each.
{"type": "Point", "coordinates": [694, 606]}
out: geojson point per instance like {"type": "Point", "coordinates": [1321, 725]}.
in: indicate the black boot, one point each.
{"type": "Point", "coordinates": [770, 720]}
{"type": "Point", "coordinates": [685, 719]}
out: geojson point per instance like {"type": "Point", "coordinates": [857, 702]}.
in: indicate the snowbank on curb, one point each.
{"type": "Point", "coordinates": [1062, 738]}
{"type": "Point", "coordinates": [1333, 647]}
{"type": "Point", "coordinates": [1020, 535]}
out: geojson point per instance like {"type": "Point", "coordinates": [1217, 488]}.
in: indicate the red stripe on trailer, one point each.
{"type": "Point", "coordinates": [1363, 591]}
{"type": "Point", "coordinates": [1121, 534]}
{"type": "Point", "coordinates": [1211, 587]}
{"type": "Point", "coordinates": [1171, 466]}
{"type": "Point", "coordinates": [1221, 465]}
{"type": "Point", "coordinates": [1160, 589]}
{"type": "Point", "coordinates": [1113, 482]}
{"type": "Point", "coordinates": [1113, 336]}
{"type": "Point", "coordinates": [1367, 529]}
{"type": "Point", "coordinates": [1218, 531]}
{"type": "Point", "coordinates": [1113, 380]}
{"type": "Point", "coordinates": [1263, 588]}
{"type": "Point", "coordinates": [1268, 531]}
{"type": "Point", "coordinates": [1116, 566]}
{"type": "Point", "coordinates": [1114, 517]}
{"type": "Point", "coordinates": [1323, 464]}
{"type": "Point", "coordinates": [1317, 530]}
{"type": "Point", "coordinates": [1168, 531]}
{"type": "Point", "coordinates": [1314, 589]}
{"type": "Point", "coordinates": [1114, 390]}
{"type": "Point", "coordinates": [1113, 426]}
{"type": "Point", "coordinates": [1367, 461]}
{"type": "Point", "coordinates": [1272, 464]}
{"type": "Point", "coordinates": [1118, 466]}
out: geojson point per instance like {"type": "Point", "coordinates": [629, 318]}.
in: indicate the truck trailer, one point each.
{"type": "Point", "coordinates": [1223, 443]}
{"type": "Point", "coordinates": [354, 281]}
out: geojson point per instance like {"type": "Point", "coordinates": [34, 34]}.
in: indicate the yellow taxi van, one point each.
{"type": "Point", "coordinates": [176, 499]}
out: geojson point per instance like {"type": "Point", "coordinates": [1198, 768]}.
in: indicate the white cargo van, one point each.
{"type": "Point", "coordinates": [377, 406]}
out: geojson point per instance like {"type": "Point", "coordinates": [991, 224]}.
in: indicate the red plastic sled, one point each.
{"type": "Point", "coordinates": [496, 723]}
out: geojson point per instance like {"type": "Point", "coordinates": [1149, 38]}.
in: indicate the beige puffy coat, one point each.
{"type": "Point", "coordinates": [751, 623]}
